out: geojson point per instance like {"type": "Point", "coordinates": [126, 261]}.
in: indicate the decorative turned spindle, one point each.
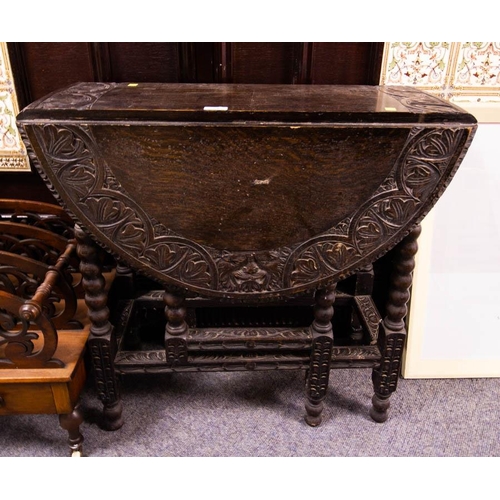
{"type": "Point", "coordinates": [176, 329]}
{"type": "Point", "coordinates": [102, 343]}
{"type": "Point", "coordinates": [385, 375]}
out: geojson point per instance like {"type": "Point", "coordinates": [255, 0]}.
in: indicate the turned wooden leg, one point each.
{"type": "Point", "coordinates": [102, 342]}
{"type": "Point", "coordinates": [71, 422]}
{"type": "Point", "coordinates": [393, 331]}
{"type": "Point", "coordinates": [176, 329]}
{"type": "Point", "coordinates": [321, 355]}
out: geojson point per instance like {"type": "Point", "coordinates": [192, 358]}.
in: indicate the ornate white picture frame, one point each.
{"type": "Point", "coordinates": [13, 155]}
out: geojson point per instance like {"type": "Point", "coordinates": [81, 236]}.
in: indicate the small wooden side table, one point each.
{"type": "Point", "coordinates": [50, 390]}
{"type": "Point", "coordinates": [42, 319]}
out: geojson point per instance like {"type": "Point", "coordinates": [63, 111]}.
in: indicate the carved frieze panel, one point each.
{"type": "Point", "coordinates": [87, 186]}
{"type": "Point", "coordinates": [425, 162]}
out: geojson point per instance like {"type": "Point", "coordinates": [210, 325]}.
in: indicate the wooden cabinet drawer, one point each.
{"type": "Point", "coordinates": [26, 398]}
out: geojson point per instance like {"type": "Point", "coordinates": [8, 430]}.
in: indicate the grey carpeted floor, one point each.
{"type": "Point", "coordinates": [261, 414]}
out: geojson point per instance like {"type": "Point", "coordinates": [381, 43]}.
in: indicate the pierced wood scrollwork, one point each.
{"type": "Point", "coordinates": [33, 293]}
{"type": "Point", "coordinates": [31, 242]}
{"type": "Point", "coordinates": [22, 277]}
{"type": "Point", "coordinates": [37, 214]}
{"type": "Point", "coordinates": [17, 338]}
{"type": "Point", "coordinates": [89, 189]}
{"type": "Point", "coordinates": [15, 281]}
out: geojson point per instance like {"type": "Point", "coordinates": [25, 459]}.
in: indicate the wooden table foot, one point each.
{"type": "Point", "coordinates": [71, 422]}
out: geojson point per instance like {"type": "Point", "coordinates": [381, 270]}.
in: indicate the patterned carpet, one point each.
{"type": "Point", "coordinates": [260, 414]}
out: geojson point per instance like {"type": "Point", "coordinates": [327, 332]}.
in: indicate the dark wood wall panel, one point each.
{"type": "Point", "coordinates": [24, 186]}
{"type": "Point", "coordinates": [144, 62]}
{"type": "Point", "coordinates": [199, 62]}
{"type": "Point", "coordinates": [262, 62]}
{"type": "Point", "coordinates": [40, 68]}
{"type": "Point", "coordinates": [347, 63]}
{"type": "Point", "coordinates": [50, 66]}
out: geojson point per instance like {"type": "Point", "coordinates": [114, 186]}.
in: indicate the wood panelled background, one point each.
{"type": "Point", "coordinates": [40, 68]}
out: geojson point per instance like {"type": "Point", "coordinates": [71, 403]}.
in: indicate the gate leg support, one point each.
{"type": "Point", "coordinates": [386, 374]}
{"type": "Point", "coordinates": [321, 355]}
{"type": "Point", "coordinates": [102, 342]}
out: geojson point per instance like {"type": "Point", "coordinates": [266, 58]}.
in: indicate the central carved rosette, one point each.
{"type": "Point", "coordinates": [249, 273]}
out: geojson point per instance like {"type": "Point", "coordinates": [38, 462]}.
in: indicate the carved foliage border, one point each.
{"type": "Point", "coordinates": [423, 170]}
{"type": "Point", "coordinates": [426, 165]}
{"type": "Point", "coordinates": [88, 182]}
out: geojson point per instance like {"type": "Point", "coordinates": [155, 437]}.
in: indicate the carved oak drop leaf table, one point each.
{"type": "Point", "coordinates": [249, 195]}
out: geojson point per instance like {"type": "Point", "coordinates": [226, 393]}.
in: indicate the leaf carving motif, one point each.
{"type": "Point", "coordinates": [117, 221]}
{"type": "Point", "coordinates": [79, 178]}
{"type": "Point", "coordinates": [393, 204]}
{"type": "Point", "coordinates": [70, 157]}
{"type": "Point", "coordinates": [307, 269]}
{"type": "Point", "coordinates": [427, 159]}
{"type": "Point", "coordinates": [131, 235]}
{"type": "Point", "coordinates": [396, 211]}
{"type": "Point", "coordinates": [180, 261]}
{"type": "Point", "coordinates": [369, 230]}
{"type": "Point", "coordinates": [63, 145]}
{"type": "Point", "coordinates": [438, 146]}
{"type": "Point", "coordinates": [320, 259]}
{"type": "Point", "coordinates": [105, 210]}
{"type": "Point", "coordinates": [163, 255]}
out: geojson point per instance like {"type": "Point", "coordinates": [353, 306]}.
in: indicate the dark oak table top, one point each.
{"type": "Point", "coordinates": [213, 102]}
{"type": "Point", "coordinates": [246, 191]}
